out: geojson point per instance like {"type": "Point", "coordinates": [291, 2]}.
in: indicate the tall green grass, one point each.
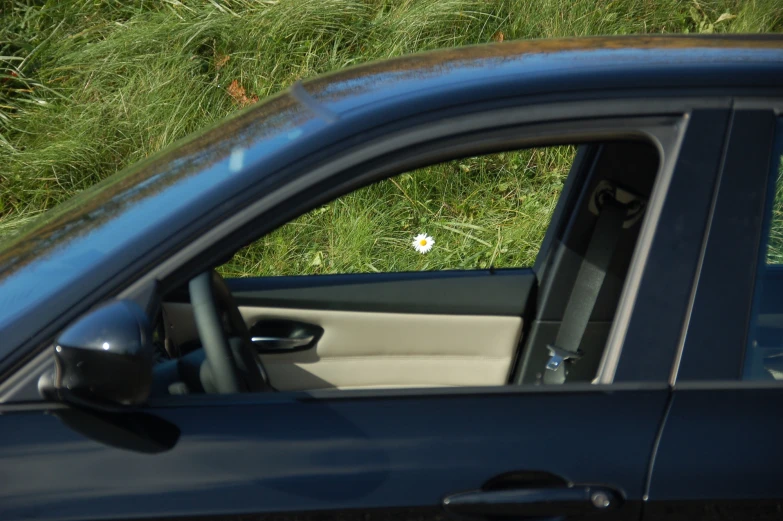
{"type": "Point", "coordinates": [88, 87]}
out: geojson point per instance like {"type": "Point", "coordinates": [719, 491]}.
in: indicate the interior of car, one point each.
{"type": "Point", "coordinates": [545, 323]}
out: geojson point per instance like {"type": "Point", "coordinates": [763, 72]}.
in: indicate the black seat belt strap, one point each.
{"type": "Point", "coordinates": [584, 294]}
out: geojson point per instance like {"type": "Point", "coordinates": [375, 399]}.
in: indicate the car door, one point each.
{"type": "Point", "coordinates": [516, 450]}
{"type": "Point", "coordinates": [719, 454]}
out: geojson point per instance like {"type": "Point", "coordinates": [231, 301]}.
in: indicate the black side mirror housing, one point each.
{"type": "Point", "coordinates": [106, 356]}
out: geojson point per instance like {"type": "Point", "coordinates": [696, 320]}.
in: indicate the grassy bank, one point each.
{"type": "Point", "coordinates": [87, 88]}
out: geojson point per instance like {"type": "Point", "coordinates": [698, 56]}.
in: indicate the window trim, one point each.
{"type": "Point", "coordinates": [359, 394]}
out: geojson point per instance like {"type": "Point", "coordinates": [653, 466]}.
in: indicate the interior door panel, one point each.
{"type": "Point", "coordinates": [360, 350]}
{"type": "Point", "coordinates": [430, 334]}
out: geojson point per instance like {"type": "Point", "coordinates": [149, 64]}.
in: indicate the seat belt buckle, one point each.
{"type": "Point", "coordinates": [608, 191]}
{"type": "Point", "coordinates": [558, 355]}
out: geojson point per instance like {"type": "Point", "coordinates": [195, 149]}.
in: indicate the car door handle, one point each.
{"type": "Point", "coordinates": [532, 502]}
{"type": "Point", "coordinates": [275, 343]}
{"type": "Point", "coordinates": [279, 336]}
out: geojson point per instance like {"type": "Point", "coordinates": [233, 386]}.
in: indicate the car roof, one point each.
{"type": "Point", "coordinates": [90, 242]}
{"type": "Point", "coordinates": [600, 62]}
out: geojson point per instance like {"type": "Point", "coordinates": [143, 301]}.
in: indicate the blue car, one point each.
{"type": "Point", "coordinates": [633, 371]}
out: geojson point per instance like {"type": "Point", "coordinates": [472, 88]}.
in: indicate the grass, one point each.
{"type": "Point", "coordinates": [88, 87]}
{"type": "Point", "coordinates": [775, 244]}
{"type": "Point", "coordinates": [484, 211]}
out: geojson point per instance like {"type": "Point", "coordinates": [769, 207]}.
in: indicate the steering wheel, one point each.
{"type": "Point", "coordinates": [232, 361]}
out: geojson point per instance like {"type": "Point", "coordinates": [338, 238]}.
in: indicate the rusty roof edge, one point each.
{"type": "Point", "coordinates": [515, 48]}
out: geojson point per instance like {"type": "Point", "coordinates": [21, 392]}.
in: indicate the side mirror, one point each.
{"type": "Point", "coordinates": [104, 357]}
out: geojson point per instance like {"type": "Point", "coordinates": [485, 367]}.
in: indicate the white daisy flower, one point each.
{"type": "Point", "coordinates": [423, 243]}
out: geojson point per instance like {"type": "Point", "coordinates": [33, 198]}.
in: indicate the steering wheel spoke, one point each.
{"type": "Point", "coordinates": [225, 337]}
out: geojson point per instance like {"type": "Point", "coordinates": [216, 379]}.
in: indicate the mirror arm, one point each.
{"type": "Point", "coordinates": [122, 426]}
{"type": "Point", "coordinates": [48, 390]}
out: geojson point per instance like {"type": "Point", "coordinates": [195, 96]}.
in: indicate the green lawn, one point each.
{"type": "Point", "coordinates": [88, 87]}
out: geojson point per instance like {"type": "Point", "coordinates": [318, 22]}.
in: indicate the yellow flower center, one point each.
{"type": "Point", "coordinates": [423, 242]}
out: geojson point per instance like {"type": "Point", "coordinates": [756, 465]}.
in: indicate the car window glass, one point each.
{"type": "Point", "coordinates": [764, 356]}
{"type": "Point", "coordinates": [472, 213]}
{"type": "Point", "coordinates": [429, 326]}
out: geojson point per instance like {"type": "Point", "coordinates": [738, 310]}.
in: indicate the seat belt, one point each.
{"type": "Point", "coordinates": [584, 294]}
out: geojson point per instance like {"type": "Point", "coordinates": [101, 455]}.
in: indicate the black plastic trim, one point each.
{"type": "Point", "coordinates": [201, 400]}
{"type": "Point", "coordinates": [717, 331]}
{"type": "Point", "coordinates": [656, 322]}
